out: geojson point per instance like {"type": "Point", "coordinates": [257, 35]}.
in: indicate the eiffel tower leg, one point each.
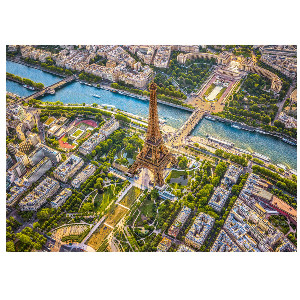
{"type": "Point", "coordinates": [173, 160]}
{"type": "Point", "coordinates": [159, 177]}
{"type": "Point", "coordinates": [134, 167]}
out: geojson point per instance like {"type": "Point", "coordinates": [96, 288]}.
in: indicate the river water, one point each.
{"type": "Point", "coordinates": [278, 151]}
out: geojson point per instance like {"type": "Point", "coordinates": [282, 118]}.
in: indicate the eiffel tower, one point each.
{"type": "Point", "coordinates": [154, 156]}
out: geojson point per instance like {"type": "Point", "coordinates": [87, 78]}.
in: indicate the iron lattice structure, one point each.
{"type": "Point", "coordinates": [154, 156]}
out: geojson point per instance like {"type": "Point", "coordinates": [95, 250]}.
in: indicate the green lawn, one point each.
{"type": "Point", "coordinates": [102, 200]}
{"type": "Point", "coordinates": [99, 236]}
{"type": "Point", "coordinates": [77, 133]}
{"type": "Point", "coordinates": [147, 209]}
{"type": "Point", "coordinates": [209, 90]}
{"type": "Point", "coordinates": [131, 196]}
{"type": "Point", "coordinates": [116, 215]}
{"type": "Point", "coordinates": [65, 139]}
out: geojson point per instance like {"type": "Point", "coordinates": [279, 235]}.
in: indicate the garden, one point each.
{"type": "Point", "coordinates": [98, 237]}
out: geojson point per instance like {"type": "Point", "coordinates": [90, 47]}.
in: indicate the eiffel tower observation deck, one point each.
{"type": "Point", "coordinates": [154, 155]}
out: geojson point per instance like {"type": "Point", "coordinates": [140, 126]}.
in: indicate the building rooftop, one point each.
{"type": "Point", "coordinates": [219, 198]}
{"type": "Point", "coordinates": [179, 221]}
{"type": "Point", "coordinates": [199, 230]}
{"type": "Point", "coordinates": [164, 245]}
{"type": "Point", "coordinates": [65, 168]}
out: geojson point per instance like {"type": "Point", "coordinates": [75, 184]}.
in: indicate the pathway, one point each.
{"type": "Point", "coordinates": [281, 104]}
{"type": "Point", "coordinates": [92, 230]}
{"type": "Point", "coordinates": [123, 194]}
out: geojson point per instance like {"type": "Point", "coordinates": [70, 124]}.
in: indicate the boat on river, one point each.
{"type": "Point", "coordinates": [289, 142]}
{"type": "Point", "coordinates": [210, 118]}
{"type": "Point", "coordinates": [29, 87]}
{"type": "Point", "coordinates": [235, 126]}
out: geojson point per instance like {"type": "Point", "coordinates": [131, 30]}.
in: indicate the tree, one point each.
{"type": "Point", "coordinates": [44, 214]}
{"type": "Point", "coordinates": [99, 184]}
{"type": "Point", "coordinates": [10, 246]}
{"type": "Point", "coordinates": [122, 118]}
{"type": "Point", "coordinates": [266, 119]}
{"type": "Point", "coordinates": [35, 129]}
{"type": "Point", "coordinates": [279, 124]}
{"type": "Point", "coordinates": [35, 225]}
{"type": "Point", "coordinates": [220, 168]}
{"type": "Point", "coordinates": [39, 85]}
{"type": "Point", "coordinates": [87, 207]}
{"type": "Point", "coordinates": [215, 181]}
{"type": "Point", "coordinates": [24, 238]}
{"type": "Point", "coordinates": [182, 162]}
{"type": "Point", "coordinates": [154, 194]}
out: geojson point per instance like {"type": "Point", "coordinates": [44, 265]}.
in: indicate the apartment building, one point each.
{"type": "Point", "coordinates": [135, 78]}
{"type": "Point", "coordinates": [109, 127]}
{"type": "Point", "coordinates": [146, 53]}
{"type": "Point", "coordinates": [286, 247]}
{"type": "Point", "coordinates": [162, 57]}
{"type": "Point", "coordinates": [61, 198]}
{"type": "Point", "coordinates": [42, 151]}
{"type": "Point", "coordinates": [185, 48]}
{"type": "Point", "coordinates": [232, 175]}
{"type": "Point", "coordinates": [199, 230]}
{"type": "Point", "coordinates": [87, 172]}
{"type": "Point", "coordinates": [34, 139]}
{"type": "Point", "coordinates": [46, 189]}
{"type": "Point", "coordinates": [33, 53]}
{"type": "Point", "coordinates": [219, 198]}
{"type": "Point", "coordinates": [179, 221]}
{"type": "Point", "coordinates": [288, 121]}
{"type": "Point", "coordinates": [38, 170]}
{"type": "Point", "coordinates": [105, 72]}
{"type": "Point", "coordinates": [22, 157]}
{"type": "Point", "coordinates": [184, 248]}
{"type": "Point", "coordinates": [90, 144]}
{"type": "Point", "coordinates": [68, 168]}
{"type": "Point", "coordinates": [17, 191]}
{"type": "Point", "coordinates": [75, 60]}
{"type": "Point", "coordinates": [164, 245]}
{"type": "Point", "coordinates": [250, 231]}
{"type": "Point", "coordinates": [119, 55]}
{"type": "Point", "coordinates": [224, 243]}
{"type": "Point", "coordinates": [9, 162]}
{"type": "Point", "coordinates": [16, 171]}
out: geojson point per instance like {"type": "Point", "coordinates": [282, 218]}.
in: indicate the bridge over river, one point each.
{"type": "Point", "coordinates": [187, 127]}
{"type": "Point", "coordinates": [50, 89]}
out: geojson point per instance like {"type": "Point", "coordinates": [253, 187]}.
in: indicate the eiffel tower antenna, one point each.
{"type": "Point", "coordinates": [154, 156]}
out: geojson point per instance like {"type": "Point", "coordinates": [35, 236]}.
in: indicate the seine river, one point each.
{"type": "Point", "coordinates": [278, 151]}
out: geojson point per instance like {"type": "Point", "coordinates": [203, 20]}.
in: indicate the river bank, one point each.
{"type": "Point", "coordinates": [99, 85]}
{"type": "Point", "coordinates": [242, 126]}
{"type": "Point", "coordinates": [278, 151]}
